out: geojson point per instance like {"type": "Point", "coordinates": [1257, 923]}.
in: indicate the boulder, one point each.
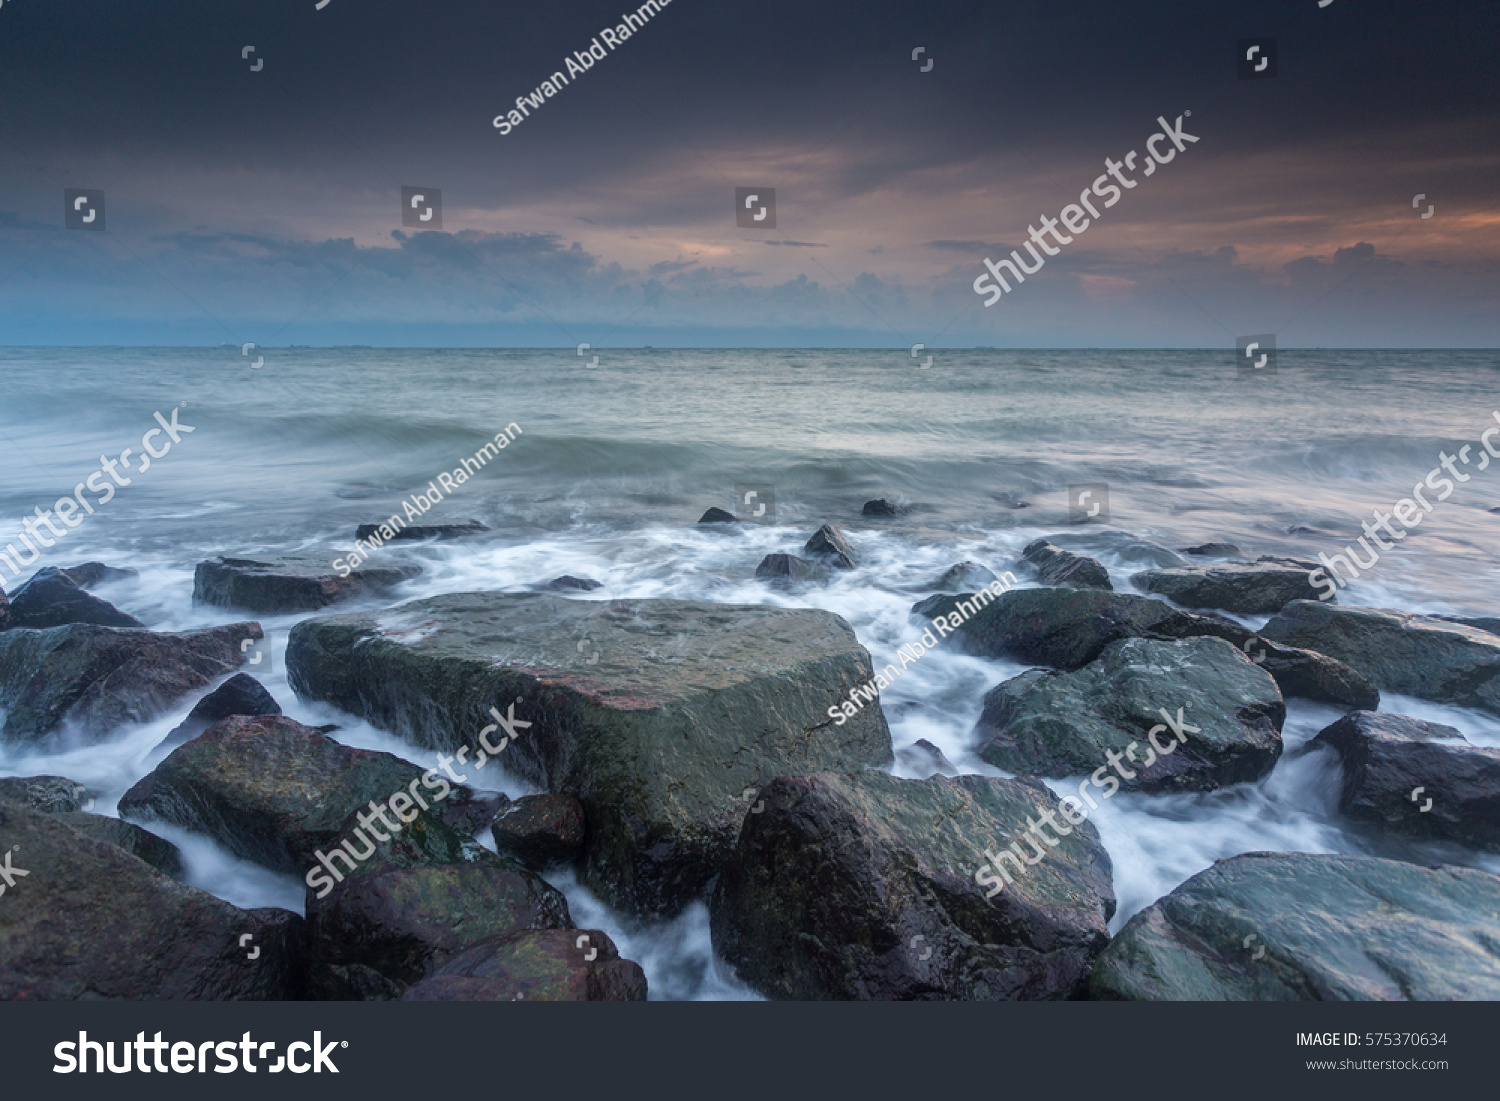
{"type": "Point", "coordinates": [718, 516]}
{"type": "Point", "coordinates": [678, 707]}
{"type": "Point", "coordinates": [430, 531]}
{"type": "Point", "coordinates": [51, 599]}
{"type": "Point", "coordinates": [91, 922]}
{"type": "Point", "coordinates": [883, 508]}
{"type": "Point", "coordinates": [241, 694]}
{"type": "Point", "coordinates": [829, 545]}
{"type": "Point", "coordinates": [1068, 628]}
{"type": "Point", "coordinates": [1310, 675]}
{"type": "Point", "coordinates": [160, 853]}
{"type": "Point", "coordinates": [1243, 588]}
{"type": "Point", "coordinates": [4, 610]}
{"type": "Point", "coordinates": [923, 756]}
{"type": "Point", "coordinates": [1132, 549]}
{"type": "Point", "coordinates": [547, 965]}
{"type": "Point", "coordinates": [1431, 659]}
{"type": "Point", "coordinates": [569, 583]}
{"type": "Point", "coordinates": [276, 792]}
{"type": "Point", "coordinates": [84, 681]}
{"type": "Point", "coordinates": [1484, 623]}
{"type": "Point", "coordinates": [1055, 566]}
{"type": "Point", "coordinates": [541, 831]}
{"type": "Point", "coordinates": [1419, 779]}
{"type": "Point", "coordinates": [47, 794]}
{"type": "Point", "coordinates": [1214, 550]}
{"type": "Point", "coordinates": [90, 574]}
{"type": "Point", "coordinates": [1301, 927]}
{"type": "Point", "coordinates": [281, 584]}
{"type": "Point", "coordinates": [863, 886]}
{"type": "Point", "coordinates": [788, 567]}
{"type": "Point", "coordinates": [1117, 714]}
{"type": "Point", "coordinates": [964, 577]}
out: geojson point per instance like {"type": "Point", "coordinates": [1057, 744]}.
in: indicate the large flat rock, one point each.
{"type": "Point", "coordinates": [1298, 927]}
{"type": "Point", "coordinates": [655, 714]}
{"type": "Point", "coordinates": [864, 886]}
{"type": "Point", "coordinates": [83, 681]}
{"type": "Point", "coordinates": [1422, 656]}
{"type": "Point", "coordinates": [286, 583]}
{"type": "Point", "coordinates": [1260, 588]}
{"type": "Point", "coordinates": [91, 921]}
{"type": "Point", "coordinates": [1189, 715]}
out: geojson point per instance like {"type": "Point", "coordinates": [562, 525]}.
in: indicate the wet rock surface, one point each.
{"type": "Point", "coordinates": [550, 965]}
{"type": "Point", "coordinates": [829, 545]}
{"type": "Point", "coordinates": [541, 831]}
{"type": "Point", "coordinates": [788, 567]}
{"type": "Point", "coordinates": [241, 694]}
{"type": "Point", "coordinates": [281, 584]}
{"type": "Point", "coordinates": [51, 599]}
{"type": "Point", "coordinates": [1055, 566]}
{"type": "Point", "coordinates": [419, 532]}
{"type": "Point", "coordinates": [1261, 588]}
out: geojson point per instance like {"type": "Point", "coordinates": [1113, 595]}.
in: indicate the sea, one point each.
{"type": "Point", "coordinates": [614, 464]}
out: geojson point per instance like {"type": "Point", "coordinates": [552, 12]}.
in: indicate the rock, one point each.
{"type": "Point", "coordinates": [1416, 778]}
{"type": "Point", "coordinates": [4, 610]}
{"type": "Point", "coordinates": [1122, 705]}
{"type": "Point", "coordinates": [1068, 628]}
{"type": "Point", "coordinates": [923, 756]}
{"type": "Point", "coordinates": [1306, 565]}
{"type": "Point", "coordinates": [276, 792]}
{"type": "Point", "coordinates": [541, 831]}
{"type": "Point", "coordinates": [829, 545]}
{"type": "Point", "coordinates": [47, 794]}
{"type": "Point", "coordinates": [1242, 588]}
{"type": "Point", "coordinates": [1310, 675]}
{"type": "Point", "coordinates": [158, 852]}
{"type": "Point", "coordinates": [1483, 623]}
{"type": "Point", "coordinates": [964, 577]}
{"type": "Point", "coordinates": [569, 583]}
{"type": "Point", "coordinates": [50, 599]}
{"type": "Point", "coordinates": [280, 584]}
{"type": "Point", "coordinates": [718, 516]}
{"type": "Point", "coordinates": [1431, 659]}
{"type": "Point", "coordinates": [241, 694]}
{"type": "Point", "coordinates": [1214, 550]}
{"type": "Point", "coordinates": [777, 567]}
{"type": "Point", "coordinates": [678, 707]}
{"type": "Point", "coordinates": [862, 886]}
{"type": "Point", "coordinates": [549, 965]}
{"type": "Point", "coordinates": [84, 681]}
{"type": "Point", "coordinates": [1055, 566]}
{"type": "Point", "coordinates": [1300, 927]}
{"type": "Point", "coordinates": [431, 531]}
{"type": "Point", "coordinates": [882, 507]}
{"type": "Point", "coordinates": [1129, 548]}
{"type": "Point", "coordinates": [90, 574]}
{"type": "Point", "coordinates": [92, 922]}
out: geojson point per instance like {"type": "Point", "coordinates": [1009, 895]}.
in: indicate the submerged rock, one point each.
{"type": "Point", "coordinates": [718, 516]}
{"type": "Point", "coordinates": [1416, 778]}
{"type": "Point", "coordinates": [276, 792]}
{"type": "Point", "coordinates": [158, 852]}
{"type": "Point", "coordinates": [1431, 659]}
{"type": "Point", "coordinates": [569, 583]}
{"type": "Point", "coordinates": [863, 886]}
{"type": "Point", "coordinates": [90, 921]}
{"type": "Point", "coordinates": [550, 965]}
{"type": "Point", "coordinates": [829, 545]}
{"type": "Point", "coordinates": [84, 681]}
{"type": "Point", "coordinates": [1244, 588]}
{"type": "Point", "coordinates": [90, 574]}
{"type": "Point", "coordinates": [280, 584]}
{"type": "Point", "coordinates": [1132, 549]}
{"type": "Point", "coordinates": [964, 577]}
{"type": "Point", "coordinates": [675, 710]}
{"type": "Point", "coordinates": [1484, 623]}
{"type": "Point", "coordinates": [1055, 566]}
{"type": "Point", "coordinates": [1298, 927]}
{"type": "Point", "coordinates": [51, 599]}
{"type": "Point", "coordinates": [241, 694]}
{"type": "Point", "coordinates": [778, 567]}
{"type": "Point", "coordinates": [882, 507]}
{"type": "Point", "coordinates": [1214, 550]}
{"type": "Point", "coordinates": [430, 531]}
{"type": "Point", "coordinates": [541, 831]}
{"type": "Point", "coordinates": [1190, 715]}
{"type": "Point", "coordinates": [47, 794]}
{"type": "Point", "coordinates": [923, 756]}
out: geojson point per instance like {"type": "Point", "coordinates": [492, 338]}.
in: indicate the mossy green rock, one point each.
{"type": "Point", "coordinates": [862, 886]}
{"type": "Point", "coordinates": [1065, 724]}
{"type": "Point", "coordinates": [655, 714]}
{"type": "Point", "coordinates": [1298, 927]}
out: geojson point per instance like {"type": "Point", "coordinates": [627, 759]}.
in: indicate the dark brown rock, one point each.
{"type": "Point", "coordinates": [541, 831]}
{"type": "Point", "coordinates": [551, 965]}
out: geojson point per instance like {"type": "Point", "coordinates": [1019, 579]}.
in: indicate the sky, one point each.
{"type": "Point", "coordinates": [253, 157]}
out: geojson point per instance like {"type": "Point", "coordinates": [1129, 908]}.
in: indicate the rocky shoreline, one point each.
{"type": "Point", "coordinates": [682, 753]}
